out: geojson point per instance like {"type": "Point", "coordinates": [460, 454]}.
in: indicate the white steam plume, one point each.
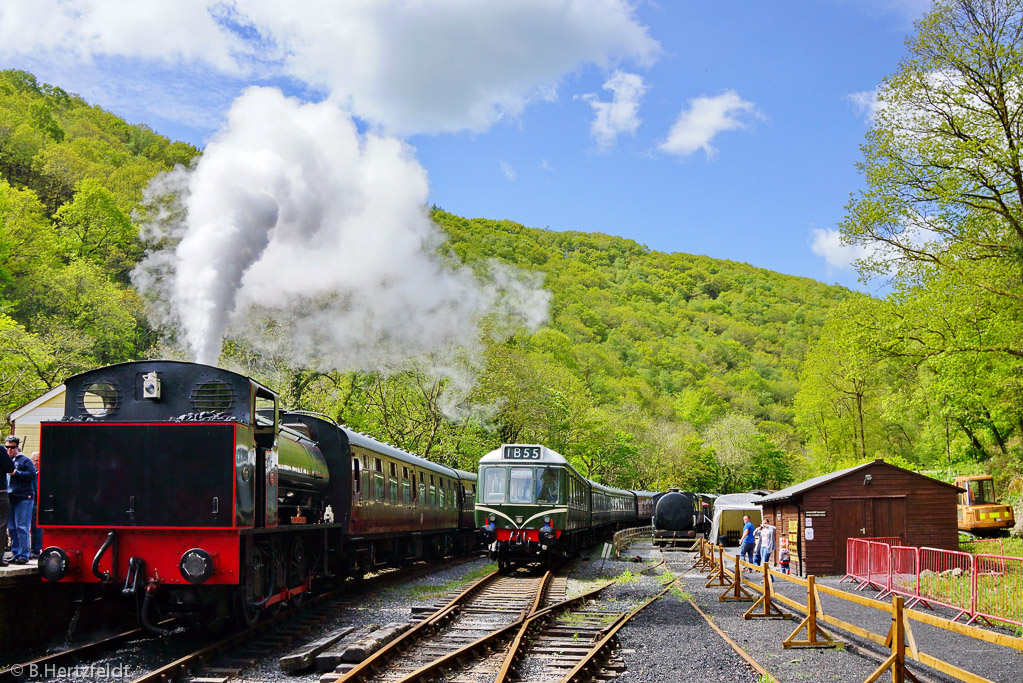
{"type": "Point", "coordinates": [292, 215]}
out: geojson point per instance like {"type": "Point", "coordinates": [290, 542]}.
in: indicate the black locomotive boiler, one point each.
{"type": "Point", "coordinates": [189, 487]}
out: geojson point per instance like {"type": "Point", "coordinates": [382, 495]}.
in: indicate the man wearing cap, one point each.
{"type": "Point", "coordinates": [6, 467]}
{"type": "Point", "coordinates": [21, 492]}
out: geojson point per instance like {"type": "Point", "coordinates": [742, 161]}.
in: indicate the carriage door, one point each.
{"type": "Point", "coordinates": [850, 521]}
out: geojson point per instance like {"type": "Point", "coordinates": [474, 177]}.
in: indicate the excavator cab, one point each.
{"type": "Point", "coordinates": [979, 512]}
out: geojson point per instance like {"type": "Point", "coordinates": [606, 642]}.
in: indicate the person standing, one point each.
{"type": "Point", "coordinates": [21, 492]}
{"type": "Point", "coordinates": [756, 545]}
{"type": "Point", "coordinates": [746, 540]}
{"type": "Point", "coordinates": [767, 537]}
{"type": "Point", "coordinates": [6, 467]}
{"type": "Point", "coordinates": [37, 533]}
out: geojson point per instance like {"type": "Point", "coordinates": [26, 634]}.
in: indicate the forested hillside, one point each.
{"type": "Point", "coordinates": [654, 370]}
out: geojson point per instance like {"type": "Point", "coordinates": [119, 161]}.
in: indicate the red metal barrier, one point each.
{"type": "Point", "coordinates": [857, 564]}
{"type": "Point", "coordinates": [988, 587]}
{"type": "Point", "coordinates": [879, 568]}
{"type": "Point", "coordinates": [863, 560]}
{"type": "Point", "coordinates": [905, 566]}
{"type": "Point", "coordinates": [946, 578]}
{"type": "Point", "coordinates": [978, 546]}
{"type": "Point", "coordinates": [998, 589]}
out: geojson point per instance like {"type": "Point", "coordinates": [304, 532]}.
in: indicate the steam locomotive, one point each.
{"type": "Point", "coordinates": [189, 487]}
{"type": "Point", "coordinates": [534, 506]}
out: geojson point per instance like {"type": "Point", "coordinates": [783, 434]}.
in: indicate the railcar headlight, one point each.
{"type": "Point", "coordinates": [196, 565]}
{"type": "Point", "coordinates": [547, 519]}
{"type": "Point", "coordinates": [53, 564]}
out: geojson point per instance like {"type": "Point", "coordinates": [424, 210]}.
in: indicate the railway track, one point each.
{"type": "Point", "coordinates": [570, 639]}
{"type": "Point", "coordinates": [227, 657]}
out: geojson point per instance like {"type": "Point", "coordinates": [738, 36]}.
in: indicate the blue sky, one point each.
{"type": "Point", "coordinates": [511, 109]}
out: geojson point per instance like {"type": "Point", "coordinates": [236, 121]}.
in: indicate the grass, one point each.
{"type": "Point", "coordinates": [433, 591]}
{"type": "Point", "coordinates": [628, 577]}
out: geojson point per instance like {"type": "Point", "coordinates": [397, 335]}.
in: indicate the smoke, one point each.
{"type": "Point", "coordinates": [294, 219]}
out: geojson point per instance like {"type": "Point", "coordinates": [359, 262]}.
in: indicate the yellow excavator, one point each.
{"type": "Point", "coordinates": [979, 512]}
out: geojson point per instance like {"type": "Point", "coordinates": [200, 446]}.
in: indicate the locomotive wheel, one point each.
{"type": "Point", "coordinates": [298, 569]}
{"type": "Point", "coordinates": [246, 603]}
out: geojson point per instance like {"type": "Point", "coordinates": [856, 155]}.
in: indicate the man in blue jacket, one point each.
{"type": "Point", "coordinates": [6, 467]}
{"type": "Point", "coordinates": [21, 492]}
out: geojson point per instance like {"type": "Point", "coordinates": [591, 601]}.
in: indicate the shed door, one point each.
{"type": "Point", "coordinates": [850, 522]}
{"type": "Point", "coordinates": [889, 517]}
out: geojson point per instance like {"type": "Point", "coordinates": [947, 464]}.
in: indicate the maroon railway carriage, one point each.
{"type": "Point", "coordinates": [192, 490]}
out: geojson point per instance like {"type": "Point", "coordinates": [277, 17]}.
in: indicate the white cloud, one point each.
{"type": "Point", "coordinates": [508, 171]}
{"type": "Point", "coordinates": [409, 66]}
{"type": "Point", "coordinates": [704, 118]}
{"type": "Point", "coordinates": [620, 115]}
{"type": "Point", "coordinates": [867, 103]}
{"type": "Point", "coordinates": [828, 245]}
{"type": "Point", "coordinates": [545, 165]}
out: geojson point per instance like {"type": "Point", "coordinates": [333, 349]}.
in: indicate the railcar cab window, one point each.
{"type": "Point", "coordinates": [547, 486]}
{"type": "Point", "coordinates": [520, 489]}
{"type": "Point", "coordinates": [495, 481]}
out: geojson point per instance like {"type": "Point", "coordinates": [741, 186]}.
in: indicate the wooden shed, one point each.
{"type": "Point", "coordinates": [25, 420]}
{"type": "Point", "coordinates": [816, 516]}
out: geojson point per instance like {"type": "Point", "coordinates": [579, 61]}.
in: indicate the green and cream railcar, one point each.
{"type": "Point", "coordinates": [533, 505]}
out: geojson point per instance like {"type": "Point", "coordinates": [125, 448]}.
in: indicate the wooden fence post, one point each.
{"type": "Point", "coordinates": [719, 578]}
{"type": "Point", "coordinates": [897, 637]}
{"type": "Point", "coordinates": [810, 623]}
{"type": "Point", "coordinates": [738, 592]}
{"type": "Point", "coordinates": [769, 609]}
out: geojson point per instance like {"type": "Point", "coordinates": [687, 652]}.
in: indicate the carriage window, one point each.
{"type": "Point", "coordinates": [547, 486]}
{"type": "Point", "coordinates": [378, 480]}
{"type": "Point", "coordinates": [520, 489]}
{"type": "Point", "coordinates": [406, 490]}
{"type": "Point", "coordinates": [356, 475]}
{"type": "Point", "coordinates": [495, 482]}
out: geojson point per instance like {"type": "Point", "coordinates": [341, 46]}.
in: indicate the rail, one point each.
{"type": "Point", "coordinates": [900, 639]}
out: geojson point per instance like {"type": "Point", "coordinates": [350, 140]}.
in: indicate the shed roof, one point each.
{"type": "Point", "coordinates": [802, 487]}
{"type": "Point", "coordinates": [36, 402]}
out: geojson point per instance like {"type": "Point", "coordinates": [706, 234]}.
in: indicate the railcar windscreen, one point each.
{"type": "Point", "coordinates": [547, 486]}
{"type": "Point", "coordinates": [520, 489]}
{"type": "Point", "coordinates": [494, 484]}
